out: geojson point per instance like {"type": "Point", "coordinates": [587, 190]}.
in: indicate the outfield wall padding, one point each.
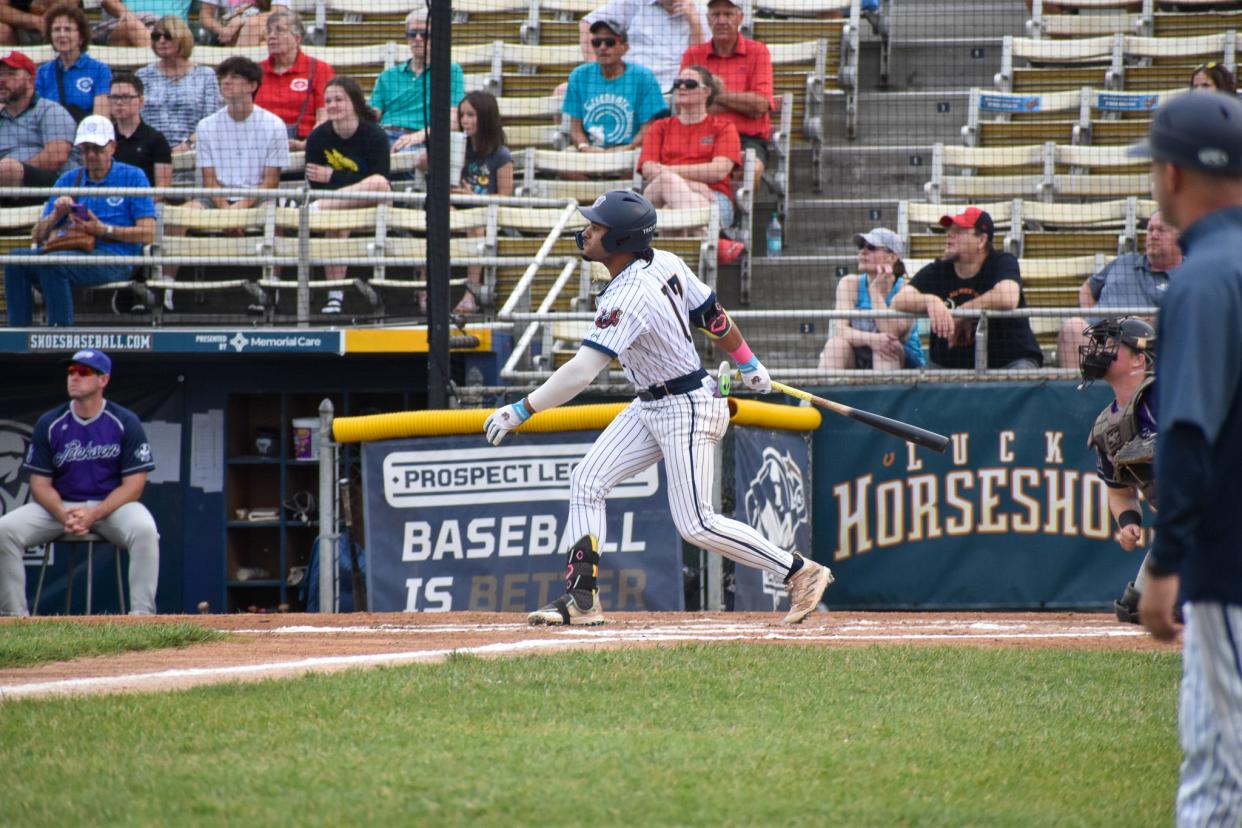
{"type": "Point", "coordinates": [400, 424]}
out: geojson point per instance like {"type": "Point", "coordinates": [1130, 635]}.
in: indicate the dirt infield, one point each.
{"type": "Point", "coordinates": [270, 646]}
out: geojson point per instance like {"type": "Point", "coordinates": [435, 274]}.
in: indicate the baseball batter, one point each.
{"type": "Point", "coordinates": [88, 464]}
{"type": "Point", "coordinates": [645, 318]}
{"type": "Point", "coordinates": [1122, 353]}
{"type": "Point", "coordinates": [1195, 142]}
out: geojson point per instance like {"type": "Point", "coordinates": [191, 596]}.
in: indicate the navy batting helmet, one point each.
{"type": "Point", "coordinates": [630, 219]}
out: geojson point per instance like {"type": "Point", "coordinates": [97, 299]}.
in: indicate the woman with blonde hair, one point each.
{"type": "Point", "coordinates": [179, 93]}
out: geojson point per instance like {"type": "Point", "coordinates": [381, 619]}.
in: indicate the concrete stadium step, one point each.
{"type": "Point", "coordinates": [932, 63]}
{"type": "Point", "coordinates": [854, 172]}
{"type": "Point", "coordinates": [793, 281]}
{"type": "Point", "coordinates": [827, 226]}
{"type": "Point", "coordinates": [922, 116]}
{"type": "Point", "coordinates": [954, 19]}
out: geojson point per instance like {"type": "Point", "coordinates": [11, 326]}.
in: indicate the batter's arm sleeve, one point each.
{"type": "Point", "coordinates": [569, 379]}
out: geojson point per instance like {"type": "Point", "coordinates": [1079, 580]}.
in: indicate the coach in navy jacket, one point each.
{"type": "Point", "coordinates": [88, 462]}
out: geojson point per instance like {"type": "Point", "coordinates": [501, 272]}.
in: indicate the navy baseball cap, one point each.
{"type": "Point", "coordinates": [611, 25]}
{"type": "Point", "coordinates": [1197, 130]}
{"type": "Point", "coordinates": [95, 360]}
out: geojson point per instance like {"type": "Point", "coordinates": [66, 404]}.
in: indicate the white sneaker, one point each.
{"type": "Point", "coordinates": [168, 299]}
{"type": "Point", "coordinates": [805, 589]}
{"type": "Point", "coordinates": [335, 300]}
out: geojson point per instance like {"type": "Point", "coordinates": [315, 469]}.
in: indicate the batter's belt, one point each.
{"type": "Point", "coordinates": [680, 385]}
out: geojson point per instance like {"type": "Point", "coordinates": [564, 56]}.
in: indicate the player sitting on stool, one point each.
{"type": "Point", "coordinates": [88, 464]}
{"type": "Point", "coordinates": [1122, 353]}
{"type": "Point", "coordinates": [645, 315]}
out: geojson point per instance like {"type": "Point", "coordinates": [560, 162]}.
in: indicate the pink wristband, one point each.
{"type": "Point", "coordinates": [742, 354]}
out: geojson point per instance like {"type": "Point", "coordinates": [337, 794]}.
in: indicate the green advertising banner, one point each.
{"type": "Point", "coordinates": [1012, 515]}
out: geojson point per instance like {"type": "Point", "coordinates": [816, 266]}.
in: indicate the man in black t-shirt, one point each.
{"type": "Point", "coordinates": [137, 143]}
{"type": "Point", "coordinates": [972, 275]}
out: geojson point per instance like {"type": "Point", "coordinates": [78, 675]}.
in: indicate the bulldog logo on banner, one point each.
{"type": "Point", "coordinates": [773, 465]}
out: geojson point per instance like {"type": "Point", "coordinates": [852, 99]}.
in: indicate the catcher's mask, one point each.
{"type": "Point", "coordinates": [1103, 340]}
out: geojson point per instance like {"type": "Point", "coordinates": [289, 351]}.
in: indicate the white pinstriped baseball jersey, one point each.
{"type": "Point", "coordinates": [644, 319]}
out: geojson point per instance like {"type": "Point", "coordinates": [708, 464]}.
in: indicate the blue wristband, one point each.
{"type": "Point", "coordinates": [522, 411]}
{"type": "Point", "coordinates": [749, 365]}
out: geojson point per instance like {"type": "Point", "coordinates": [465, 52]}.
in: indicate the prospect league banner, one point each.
{"type": "Point", "coordinates": [454, 524]}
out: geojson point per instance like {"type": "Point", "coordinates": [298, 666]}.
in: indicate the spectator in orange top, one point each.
{"type": "Point", "coordinates": [687, 159]}
{"type": "Point", "coordinates": [744, 68]}
{"type": "Point", "coordinates": [293, 81]}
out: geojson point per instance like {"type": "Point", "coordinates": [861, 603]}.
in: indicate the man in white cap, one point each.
{"type": "Point", "coordinates": [120, 225]}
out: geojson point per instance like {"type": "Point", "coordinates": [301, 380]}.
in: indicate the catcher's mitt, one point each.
{"type": "Point", "coordinates": [1136, 458]}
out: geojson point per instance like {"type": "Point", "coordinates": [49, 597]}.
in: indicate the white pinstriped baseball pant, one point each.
{"type": "Point", "coordinates": [683, 429]}
{"type": "Point", "coordinates": [1210, 717]}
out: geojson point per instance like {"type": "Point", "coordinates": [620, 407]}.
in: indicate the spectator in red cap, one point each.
{"type": "Point", "coordinates": [36, 135]}
{"type": "Point", "coordinates": [744, 69]}
{"type": "Point", "coordinates": [972, 274]}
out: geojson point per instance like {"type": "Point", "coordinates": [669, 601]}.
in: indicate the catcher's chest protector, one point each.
{"type": "Point", "coordinates": [1113, 432]}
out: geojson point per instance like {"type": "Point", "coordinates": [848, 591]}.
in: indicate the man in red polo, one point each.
{"type": "Point", "coordinates": [744, 68]}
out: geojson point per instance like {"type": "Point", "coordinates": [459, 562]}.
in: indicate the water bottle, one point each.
{"type": "Point", "coordinates": [774, 237]}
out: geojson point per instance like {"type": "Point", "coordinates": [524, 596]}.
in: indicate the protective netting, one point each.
{"type": "Point", "coordinates": [819, 162]}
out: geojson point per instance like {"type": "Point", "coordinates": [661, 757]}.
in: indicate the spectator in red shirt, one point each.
{"type": "Point", "coordinates": [687, 159]}
{"type": "Point", "coordinates": [293, 81]}
{"type": "Point", "coordinates": [744, 68]}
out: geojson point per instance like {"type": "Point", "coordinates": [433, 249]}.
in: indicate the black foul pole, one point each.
{"type": "Point", "coordinates": [440, 20]}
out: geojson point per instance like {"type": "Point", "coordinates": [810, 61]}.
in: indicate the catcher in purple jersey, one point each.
{"type": "Point", "coordinates": [88, 462]}
{"type": "Point", "coordinates": [646, 313]}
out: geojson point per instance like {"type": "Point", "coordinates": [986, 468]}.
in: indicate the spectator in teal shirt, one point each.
{"type": "Point", "coordinates": [611, 103]}
{"type": "Point", "coordinates": [402, 93]}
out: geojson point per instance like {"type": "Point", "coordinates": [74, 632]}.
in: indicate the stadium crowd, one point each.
{"type": "Point", "coordinates": [243, 119]}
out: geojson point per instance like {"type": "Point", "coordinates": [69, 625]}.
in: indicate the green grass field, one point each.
{"type": "Point", "coordinates": [689, 735]}
{"type": "Point", "coordinates": [28, 642]}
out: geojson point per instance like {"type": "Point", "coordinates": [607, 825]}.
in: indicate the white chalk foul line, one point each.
{"type": "Point", "coordinates": [570, 637]}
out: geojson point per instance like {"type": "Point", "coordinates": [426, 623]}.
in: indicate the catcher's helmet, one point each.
{"type": "Point", "coordinates": [630, 219]}
{"type": "Point", "coordinates": [1103, 339]}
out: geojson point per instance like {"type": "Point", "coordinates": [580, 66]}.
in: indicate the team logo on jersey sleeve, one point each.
{"type": "Point", "coordinates": [143, 453]}
{"type": "Point", "coordinates": [608, 318]}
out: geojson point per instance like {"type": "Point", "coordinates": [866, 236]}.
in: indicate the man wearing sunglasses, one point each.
{"type": "Point", "coordinates": [658, 31]}
{"type": "Point", "coordinates": [611, 103]}
{"type": "Point", "coordinates": [402, 94]}
{"type": "Point", "coordinates": [744, 67]}
{"type": "Point", "coordinates": [88, 462]}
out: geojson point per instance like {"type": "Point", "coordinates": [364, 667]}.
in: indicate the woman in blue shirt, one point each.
{"type": "Point", "coordinates": [73, 79]}
{"type": "Point", "coordinates": [880, 344]}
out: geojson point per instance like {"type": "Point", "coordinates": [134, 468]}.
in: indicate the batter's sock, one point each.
{"type": "Point", "coordinates": [583, 571]}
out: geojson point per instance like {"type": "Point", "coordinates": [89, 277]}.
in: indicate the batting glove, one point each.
{"type": "Point", "coordinates": [755, 376]}
{"type": "Point", "coordinates": [504, 420]}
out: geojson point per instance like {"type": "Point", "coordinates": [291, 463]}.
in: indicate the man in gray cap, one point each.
{"type": "Point", "coordinates": [1195, 143]}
